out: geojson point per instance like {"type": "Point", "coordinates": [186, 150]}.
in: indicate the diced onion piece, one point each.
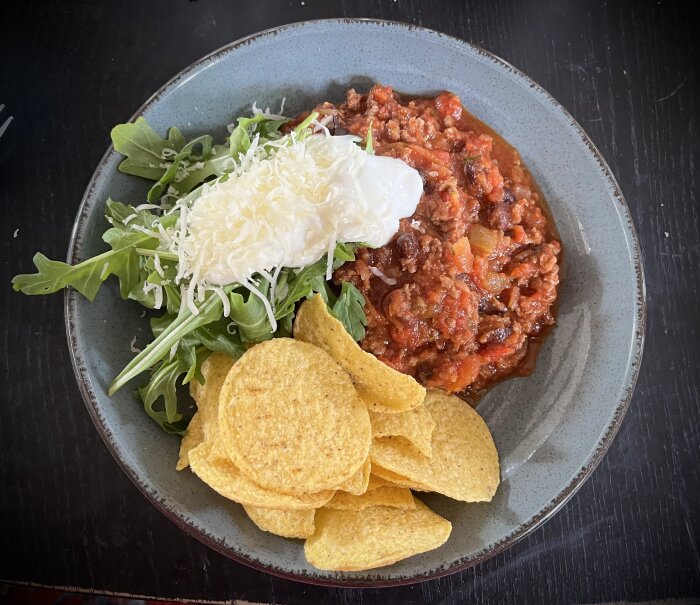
{"type": "Point", "coordinates": [463, 254]}
{"type": "Point", "coordinates": [483, 241]}
{"type": "Point", "coordinates": [494, 282]}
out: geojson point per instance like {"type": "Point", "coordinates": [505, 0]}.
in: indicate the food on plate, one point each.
{"type": "Point", "coordinates": [203, 423]}
{"type": "Point", "coordinates": [464, 460]}
{"type": "Point", "coordinates": [231, 238]}
{"type": "Point", "coordinates": [359, 483]}
{"type": "Point", "coordinates": [326, 286]}
{"type": "Point", "coordinates": [347, 540]}
{"type": "Point", "coordinates": [285, 523]}
{"type": "Point", "coordinates": [395, 479]}
{"type": "Point", "coordinates": [415, 425]}
{"type": "Point", "coordinates": [381, 387]}
{"type": "Point", "coordinates": [291, 418]}
{"type": "Point", "coordinates": [212, 466]}
{"type": "Point", "coordinates": [397, 497]}
{"type": "Point", "coordinates": [376, 482]}
{"type": "Point", "coordinates": [465, 289]}
{"type": "Point", "coordinates": [417, 224]}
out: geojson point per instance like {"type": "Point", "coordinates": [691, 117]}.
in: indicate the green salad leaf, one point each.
{"type": "Point", "coordinates": [222, 337]}
{"type": "Point", "coordinates": [158, 350]}
{"type": "Point", "coordinates": [369, 145]}
{"type": "Point", "coordinates": [242, 135]}
{"type": "Point", "coordinates": [183, 166]}
{"type": "Point", "coordinates": [350, 309]}
{"type": "Point", "coordinates": [299, 285]}
{"type": "Point", "coordinates": [87, 277]}
{"type": "Point", "coordinates": [163, 384]}
{"type": "Point", "coordinates": [143, 148]}
{"type": "Point", "coordinates": [250, 315]}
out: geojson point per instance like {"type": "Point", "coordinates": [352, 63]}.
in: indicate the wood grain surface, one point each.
{"type": "Point", "coordinates": [629, 72]}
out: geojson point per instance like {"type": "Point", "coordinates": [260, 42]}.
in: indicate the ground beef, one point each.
{"type": "Point", "coordinates": [476, 266]}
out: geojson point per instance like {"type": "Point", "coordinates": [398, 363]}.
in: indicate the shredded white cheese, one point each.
{"type": "Point", "coordinates": [157, 292]}
{"type": "Point", "coordinates": [132, 346]}
{"type": "Point", "coordinates": [158, 266]}
{"type": "Point", "coordinates": [383, 276]}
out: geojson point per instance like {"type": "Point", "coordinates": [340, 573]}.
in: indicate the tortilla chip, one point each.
{"type": "Point", "coordinates": [285, 523]}
{"type": "Point", "coordinates": [357, 484]}
{"type": "Point", "coordinates": [347, 540]}
{"type": "Point", "coordinates": [214, 369]}
{"type": "Point", "coordinates": [395, 497]}
{"type": "Point", "coordinates": [291, 419]}
{"type": "Point", "coordinates": [415, 425]}
{"type": "Point", "coordinates": [222, 475]}
{"type": "Point", "coordinates": [464, 464]}
{"type": "Point", "coordinates": [377, 383]}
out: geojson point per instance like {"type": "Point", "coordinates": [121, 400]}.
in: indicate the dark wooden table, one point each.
{"type": "Point", "coordinates": [629, 73]}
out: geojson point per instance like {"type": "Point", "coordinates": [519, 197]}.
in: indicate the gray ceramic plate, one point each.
{"type": "Point", "coordinates": [551, 428]}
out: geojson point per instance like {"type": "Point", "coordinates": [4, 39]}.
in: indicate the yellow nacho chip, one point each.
{"type": "Point", "coordinates": [357, 484]}
{"type": "Point", "coordinates": [464, 464]}
{"type": "Point", "coordinates": [291, 419]}
{"type": "Point", "coordinates": [376, 482]}
{"type": "Point", "coordinates": [346, 540]}
{"type": "Point", "coordinates": [285, 523]}
{"type": "Point", "coordinates": [397, 480]}
{"type": "Point", "coordinates": [214, 369]}
{"type": "Point", "coordinates": [376, 382]}
{"type": "Point", "coordinates": [415, 425]}
{"type": "Point", "coordinates": [396, 497]}
{"type": "Point", "coordinates": [222, 475]}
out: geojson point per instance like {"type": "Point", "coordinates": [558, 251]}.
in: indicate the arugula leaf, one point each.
{"type": "Point", "coordinates": [302, 130]}
{"type": "Point", "coordinates": [186, 165]}
{"type": "Point", "coordinates": [320, 285]}
{"type": "Point", "coordinates": [250, 315]}
{"type": "Point", "coordinates": [242, 135]}
{"type": "Point", "coordinates": [205, 142]}
{"type": "Point", "coordinates": [369, 145]}
{"type": "Point", "coordinates": [143, 148]}
{"type": "Point", "coordinates": [216, 337]}
{"type": "Point", "coordinates": [159, 349]}
{"type": "Point", "coordinates": [163, 383]}
{"type": "Point", "coordinates": [299, 286]}
{"type": "Point", "coordinates": [125, 264]}
{"type": "Point", "coordinates": [123, 260]}
{"type": "Point", "coordinates": [284, 326]}
{"type": "Point", "coordinates": [87, 277]}
{"type": "Point", "coordinates": [192, 357]}
{"type": "Point", "coordinates": [117, 212]}
{"type": "Point", "coordinates": [159, 323]}
{"type": "Point", "coordinates": [350, 309]}
{"type": "Point", "coordinates": [344, 252]}
{"type": "Point", "coordinates": [195, 170]}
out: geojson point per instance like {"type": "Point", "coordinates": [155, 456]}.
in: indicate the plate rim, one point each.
{"type": "Point", "coordinates": [522, 530]}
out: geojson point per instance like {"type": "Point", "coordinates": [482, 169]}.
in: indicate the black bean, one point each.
{"type": "Point", "coordinates": [508, 196]}
{"type": "Point", "coordinates": [336, 128]}
{"type": "Point", "coordinates": [470, 170]}
{"type": "Point", "coordinates": [407, 245]}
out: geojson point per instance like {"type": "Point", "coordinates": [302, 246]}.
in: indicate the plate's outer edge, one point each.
{"type": "Point", "coordinates": [525, 528]}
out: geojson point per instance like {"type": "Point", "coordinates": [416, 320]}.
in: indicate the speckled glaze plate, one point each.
{"type": "Point", "coordinates": [551, 428]}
